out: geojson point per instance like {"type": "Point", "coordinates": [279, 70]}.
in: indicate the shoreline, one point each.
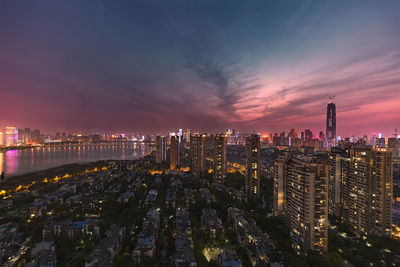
{"type": "Point", "coordinates": [61, 170]}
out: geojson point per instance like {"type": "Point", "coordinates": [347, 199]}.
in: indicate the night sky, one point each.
{"type": "Point", "coordinates": [153, 66]}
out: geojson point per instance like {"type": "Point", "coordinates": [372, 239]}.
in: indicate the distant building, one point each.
{"type": "Point", "coordinates": [180, 135]}
{"type": "Point", "coordinates": [197, 154]}
{"type": "Point", "coordinates": [2, 138]}
{"type": "Point", "coordinates": [174, 152]}
{"type": "Point", "coordinates": [27, 135]}
{"type": "Point", "coordinates": [394, 144]}
{"type": "Point", "coordinates": [36, 135]}
{"type": "Point", "coordinates": [308, 135]}
{"type": "Point", "coordinates": [11, 136]}
{"type": "Point", "coordinates": [331, 121]}
{"type": "Point", "coordinates": [188, 134]}
{"type": "Point", "coordinates": [161, 149]}
{"type": "Point", "coordinates": [220, 142]}
{"type": "Point", "coordinates": [321, 135]}
{"type": "Point", "coordinates": [252, 181]}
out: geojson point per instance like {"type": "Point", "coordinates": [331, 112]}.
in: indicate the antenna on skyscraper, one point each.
{"type": "Point", "coordinates": [331, 98]}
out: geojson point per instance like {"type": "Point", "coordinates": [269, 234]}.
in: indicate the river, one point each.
{"type": "Point", "coordinates": [16, 162]}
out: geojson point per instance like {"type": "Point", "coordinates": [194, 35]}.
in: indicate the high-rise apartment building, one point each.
{"type": "Point", "coordinates": [220, 142]}
{"type": "Point", "coordinates": [335, 180]}
{"type": "Point", "coordinates": [161, 149]}
{"type": "Point", "coordinates": [174, 152]}
{"type": "Point", "coordinates": [331, 121]}
{"type": "Point", "coordinates": [197, 153]}
{"type": "Point", "coordinates": [301, 194]}
{"type": "Point", "coordinates": [252, 181]}
{"type": "Point", "coordinates": [367, 189]}
{"type": "Point", "coordinates": [279, 196]}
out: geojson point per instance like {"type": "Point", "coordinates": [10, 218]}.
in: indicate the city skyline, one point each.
{"type": "Point", "coordinates": [151, 67]}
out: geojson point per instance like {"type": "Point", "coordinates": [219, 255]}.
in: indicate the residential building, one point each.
{"type": "Point", "coordinates": [161, 149]}
{"type": "Point", "coordinates": [252, 182]}
{"type": "Point", "coordinates": [220, 143]}
{"type": "Point", "coordinates": [174, 152]}
{"type": "Point", "coordinates": [197, 154]}
{"type": "Point", "coordinates": [367, 189]}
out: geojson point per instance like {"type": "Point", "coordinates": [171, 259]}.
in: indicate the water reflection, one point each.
{"type": "Point", "coordinates": [14, 162]}
{"type": "Point", "coordinates": [1, 162]}
{"type": "Point", "coordinates": [11, 161]}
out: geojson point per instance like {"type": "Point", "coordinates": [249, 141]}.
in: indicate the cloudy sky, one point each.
{"type": "Point", "coordinates": [154, 66]}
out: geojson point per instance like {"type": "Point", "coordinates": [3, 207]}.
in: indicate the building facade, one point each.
{"type": "Point", "coordinates": [331, 121]}
{"type": "Point", "coordinates": [161, 149]}
{"type": "Point", "coordinates": [335, 180]}
{"type": "Point", "coordinates": [220, 143]}
{"type": "Point", "coordinates": [367, 189]}
{"type": "Point", "coordinates": [11, 136]}
{"type": "Point", "coordinates": [279, 195]}
{"type": "Point", "coordinates": [252, 182]}
{"type": "Point", "coordinates": [302, 197]}
{"type": "Point", "coordinates": [197, 153]}
{"type": "Point", "coordinates": [174, 152]}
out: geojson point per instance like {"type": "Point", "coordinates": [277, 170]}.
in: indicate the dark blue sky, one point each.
{"type": "Point", "coordinates": [155, 66]}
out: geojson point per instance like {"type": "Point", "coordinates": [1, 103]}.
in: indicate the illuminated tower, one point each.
{"type": "Point", "coordinates": [331, 121]}
{"type": "Point", "coordinates": [220, 157]}
{"type": "Point", "coordinates": [161, 149]}
{"type": "Point", "coordinates": [197, 153]}
{"type": "Point", "coordinates": [174, 152]}
{"type": "Point", "coordinates": [252, 181]}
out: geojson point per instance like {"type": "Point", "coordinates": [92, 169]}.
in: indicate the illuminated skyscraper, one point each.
{"type": "Point", "coordinates": [220, 142]}
{"type": "Point", "coordinates": [180, 135]}
{"type": "Point", "coordinates": [174, 152]}
{"type": "Point", "coordinates": [331, 121]}
{"type": "Point", "coordinates": [252, 181]}
{"type": "Point", "coordinates": [11, 136]}
{"type": "Point", "coordinates": [161, 149]}
{"type": "Point", "coordinates": [367, 189]}
{"type": "Point", "coordinates": [197, 154]}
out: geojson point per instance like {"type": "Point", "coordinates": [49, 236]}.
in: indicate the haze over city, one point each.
{"type": "Point", "coordinates": [156, 66]}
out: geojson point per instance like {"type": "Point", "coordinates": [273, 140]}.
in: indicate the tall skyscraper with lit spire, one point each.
{"type": "Point", "coordinates": [331, 121]}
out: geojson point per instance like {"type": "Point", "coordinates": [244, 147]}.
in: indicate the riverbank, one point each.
{"type": "Point", "coordinates": [62, 170]}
